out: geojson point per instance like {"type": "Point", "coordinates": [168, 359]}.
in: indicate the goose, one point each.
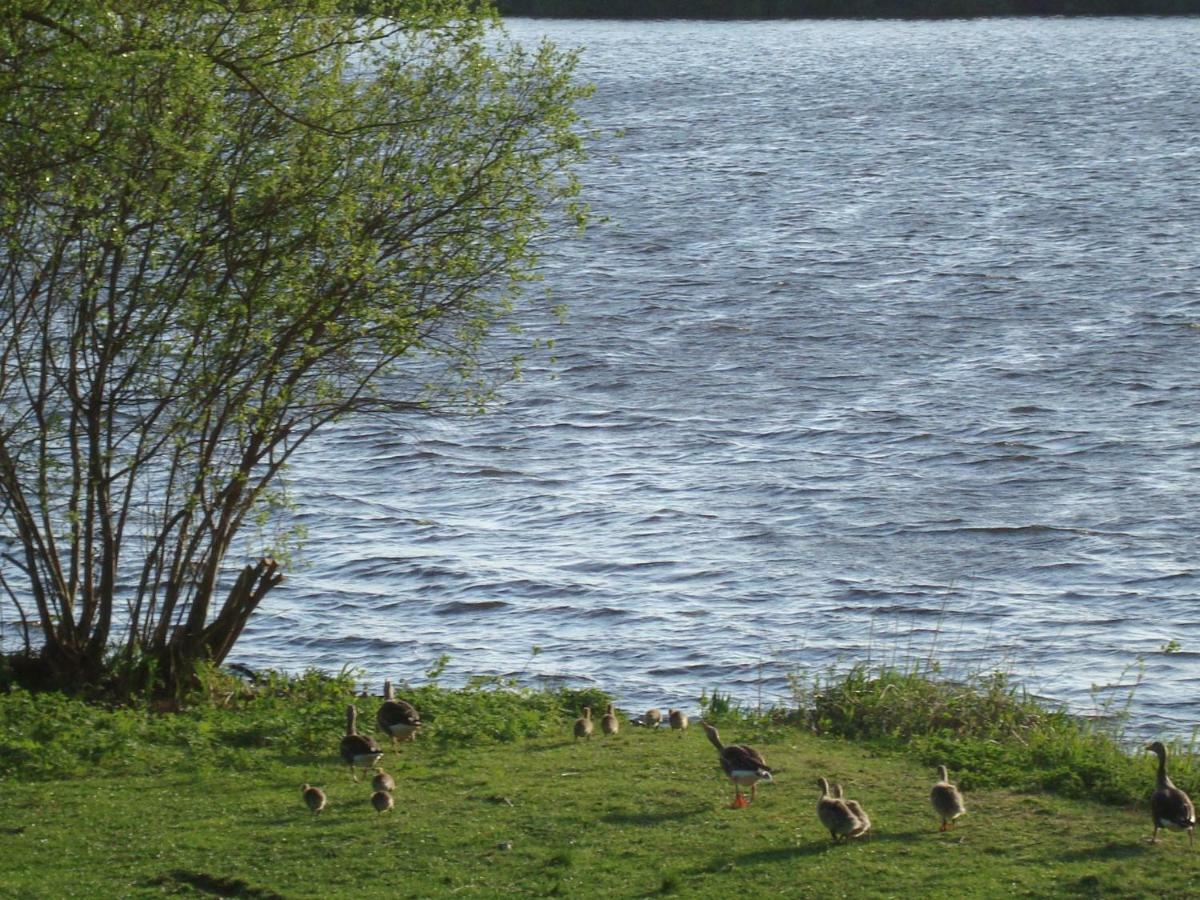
{"type": "Point", "coordinates": [358, 749]}
{"type": "Point", "coordinates": [652, 718]}
{"type": "Point", "coordinates": [609, 723]}
{"type": "Point", "coordinates": [382, 801]}
{"type": "Point", "coordinates": [744, 765]}
{"type": "Point", "coordinates": [399, 718]}
{"type": "Point", "coordinates": [583, 725]}
{"type": "Point", "coordinates": [856, 808]}
{"type": "Point", "coordinates": [1169, 806]}
{"type": "Point", "coordinates": [678, 719]}
{"type": "Point", "coordinates": [314, 797]}
{"type": "Point", "coordinates": [383, 782]}
{"type": "Point", "coordinates": [835, 815]}
{"type": "Point", "coordinates": [947, 801]}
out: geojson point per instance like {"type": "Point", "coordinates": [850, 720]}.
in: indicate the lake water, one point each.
{"type": "Point", "coordinates": [889, 349]}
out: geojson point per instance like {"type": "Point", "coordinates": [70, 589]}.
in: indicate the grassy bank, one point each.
{"type": "Point", "coordinates": [496, 798]}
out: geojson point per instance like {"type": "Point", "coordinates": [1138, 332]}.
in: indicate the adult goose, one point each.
{"type": "Point", "coordinates": [864, 821]}
{"type": "Point", "coordinates": [358, 749]}
{"type": "Point", "coordinates": [835, 815]}
{"type": "Point", "coordinates": [314, 798]}
{"type": "Point", "coordinates": [946, 800]}
{"type": "Point", "coordinates": [609, 723]}
{"type": "Point", "coordinates": [744, 765]}
{"type": "Point", "coordinates": [583, 725]}
{"type": "Point", "coordinates": [399, 718]}
{"type": "Point", "coordinates": [1169, 806]}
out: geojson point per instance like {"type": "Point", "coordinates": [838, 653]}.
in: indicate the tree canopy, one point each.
{"type": "Point", "coordinates": [224, 224]}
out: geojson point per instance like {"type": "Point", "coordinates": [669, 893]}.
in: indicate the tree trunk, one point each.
{"type": "Point", "coordinates": [178, 661]}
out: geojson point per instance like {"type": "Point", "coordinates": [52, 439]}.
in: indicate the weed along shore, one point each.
{"type": "Point", "coordinates": [495, 796]}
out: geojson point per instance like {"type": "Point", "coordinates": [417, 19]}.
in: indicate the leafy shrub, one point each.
{"type": "Point", "coordinates": [986, 730]}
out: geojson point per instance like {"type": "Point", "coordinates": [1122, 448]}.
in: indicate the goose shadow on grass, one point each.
{"type": "Point", "coordinates": [1109, 850]}
{"type": "Point", "coordinates": [813, 847]}
{"type": "Point", "coordinates": [214, 885]}
{"type": "Point", "coordinates": [653, 818]}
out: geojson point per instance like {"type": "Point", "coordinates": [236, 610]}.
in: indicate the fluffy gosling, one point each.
{"type": "Point", "coordinates": [314, 798]}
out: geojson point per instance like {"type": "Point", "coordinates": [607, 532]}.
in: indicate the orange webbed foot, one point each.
{"type": "Point", "coordinates": [740, 802]}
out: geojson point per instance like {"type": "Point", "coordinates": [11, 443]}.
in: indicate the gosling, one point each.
{"type": "Point", "coordinates": [946, 800]}
{"type": "Point", "coordinates": [583, 725]}
{"type": "Point", "coordinates": [609, 723]}
{"type": "Point", "coordinates": [314, 797]}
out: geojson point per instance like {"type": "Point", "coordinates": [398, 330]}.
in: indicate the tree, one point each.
{"type": "Point", "coordinates": [226, 224]}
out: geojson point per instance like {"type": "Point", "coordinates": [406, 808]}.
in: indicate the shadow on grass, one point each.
{"type": "Point", "coordinates": [774, 855]}
{"type": "Point", "coordinates": [216, 885]}
{"type": "Point", "coordinates": [814, 848]}
{"type": "Point", "coordinates": [652, 818]}
{"type": "Point", "coordinates": [1109, 850]}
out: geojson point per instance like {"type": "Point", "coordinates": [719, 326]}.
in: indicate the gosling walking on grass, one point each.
{"type": "Point", "coordinates": [314, 798]}
{"type": "Point", "coordinates": [382, 801]}
{"type": "Point", "coordinates": [946, 800]}
{"type": "Point", "coordinates": [678, 719]}
{"type": "Point", "coordinates": [1170, 807]}
{"type": "Point", "coordinates": [383, 782]}
{"type": "Point", "coordinates": [835, 815]}
{"type": "Point", "coordinates": [609, 723]}
{"type": "Point", "coordinates": [864, 821]}
{"type": "Point", "coordinates": [583, 725]}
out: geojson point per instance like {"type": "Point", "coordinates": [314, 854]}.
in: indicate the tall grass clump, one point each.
{"type": "Point", "coordinates": [985, 728]}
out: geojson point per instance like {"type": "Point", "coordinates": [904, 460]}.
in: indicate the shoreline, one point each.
{"type": "Point", "coordinates": [825, 10]}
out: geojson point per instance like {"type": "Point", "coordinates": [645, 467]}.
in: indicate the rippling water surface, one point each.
{"type": "Point", "coordinates": [889, 348]}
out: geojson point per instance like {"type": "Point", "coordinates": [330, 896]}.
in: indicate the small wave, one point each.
{"type": "Point", "coordinates": [605, 612]}
{"type": "Point", "coordinates": [456, 607]}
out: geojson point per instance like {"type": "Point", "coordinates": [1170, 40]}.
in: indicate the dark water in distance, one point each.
{"type": "Point", "coordinates": [892, 338]}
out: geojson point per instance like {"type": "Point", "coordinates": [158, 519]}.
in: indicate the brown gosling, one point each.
{"type": "Point", "coordinates": [399, 718]}
{"type": "Point", "coordinates": [652, 718]}
{"type": "Point", "coordinates": [583, 725]}
{"type": "Point", "coordinates": [609, 723]}
{"type": "Point", "coordinates": [383, 782]}
{"type": "Point", "coordinates": [678, 719]}
{"type": "Point", "coordinates": [314, 797]}
{"type": "Point", "coordinates": [742, 764]}
{"type": "Point", "coordinates": [946, 800]}
{"type": "Point", "coordinates": [860, 813]}
{"type": "Point", "coordinates": [358, 749]}
{"type": "Point", "coordinates": [835, 815]}
{"type": "Point", "coordinates": [1170, 807]}
{"type": "Point", "coordinates": [382, 801]}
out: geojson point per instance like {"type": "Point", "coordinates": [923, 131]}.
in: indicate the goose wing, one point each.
{"type": "Point", "coordinates": [741, 758]}
{"type": "Point", "coordinates": [356, 746]}
{"type": "Point", "coordinates": [397, 712]}
{"type": "Point", "coordinates": [1171, 807]}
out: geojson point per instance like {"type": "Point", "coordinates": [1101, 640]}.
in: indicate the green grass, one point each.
{"type": "Point", "coordinates": [206, 803]}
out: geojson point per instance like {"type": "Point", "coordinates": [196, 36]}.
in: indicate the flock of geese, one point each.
{"type": "Point", "coordinates": [397, 718]}
{"type": "Point", "coordinates": [745, 767]}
